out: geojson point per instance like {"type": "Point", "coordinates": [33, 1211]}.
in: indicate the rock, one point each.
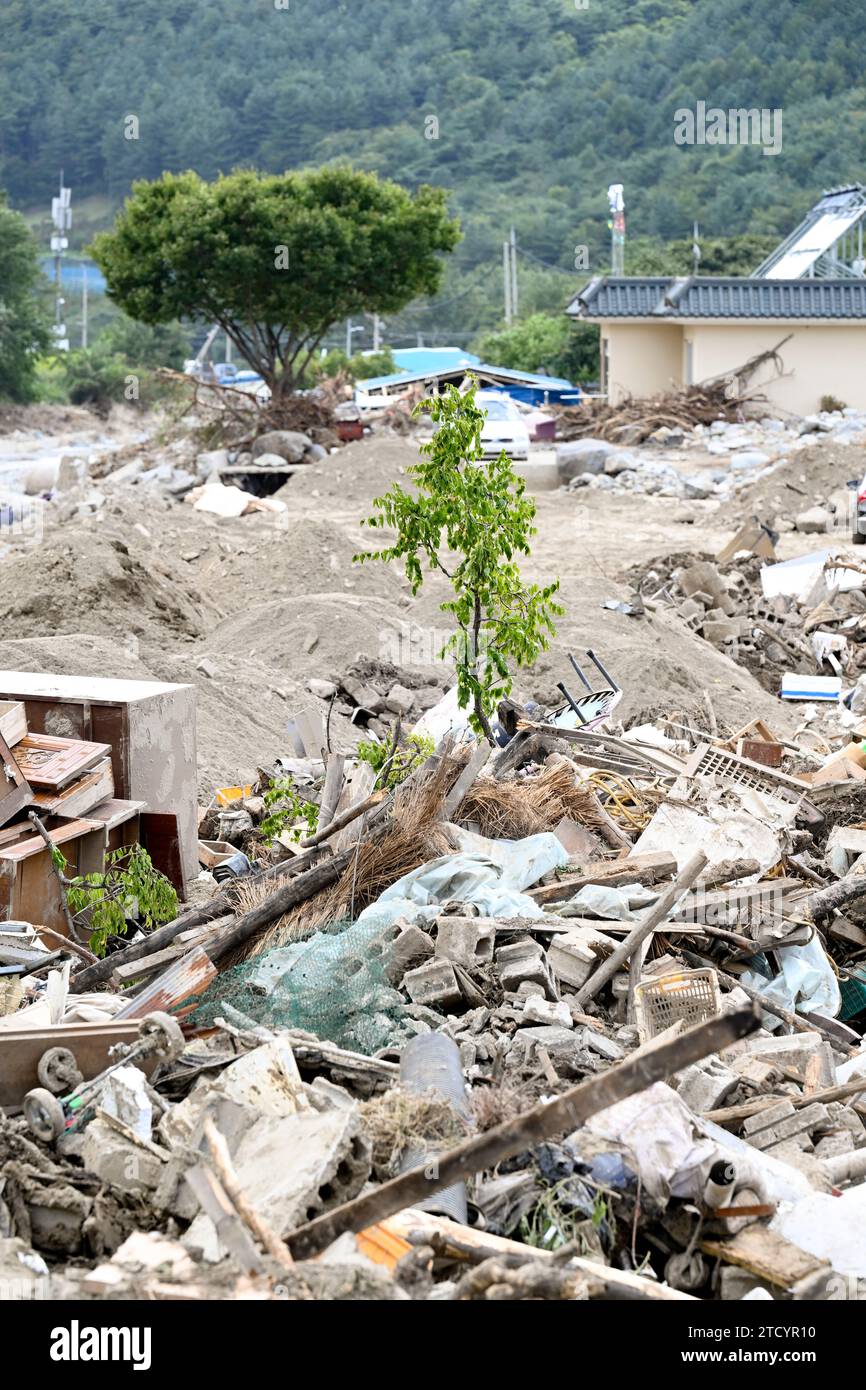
{"type": "Point", "coordinates": [618, 463]}
{"type": "Point", "coordinates": [749, 459]}
{"type": "Point", "coordinates": [537, 1009]}
{"type": "Point", "coordinates": [814, 520]}
{"type": "Point", "coordinates": [289, 444]}
{"type": "Point", "coordinates": [207, 668]}
{"type": "Point", "coordinates": [315, 453]}
{"type": "Point", "coordinates": [583, 456]}
{"type": "Point", "coordinates": [399, 700]}
{"type": "Point", "coordinates": [275, 461]}
{"type": "Point", "coordinates": [211, 462]}
{"type": "Point", "coordinates": [324, 690]}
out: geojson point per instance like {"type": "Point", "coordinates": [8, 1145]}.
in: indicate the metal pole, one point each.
{"type": "Point", "coordinates": [514, 301]}
{"type": "Point", "coordinates": [84, 308]}
{"type": "Point", "coordinates": [506, 272]}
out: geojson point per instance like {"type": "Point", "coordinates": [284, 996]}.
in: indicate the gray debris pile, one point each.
{"type": "Point", "coordinates": [575, 1016]}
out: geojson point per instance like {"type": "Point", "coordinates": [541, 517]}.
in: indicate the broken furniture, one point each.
{"type": "Point", "coordinates": [148, 728]}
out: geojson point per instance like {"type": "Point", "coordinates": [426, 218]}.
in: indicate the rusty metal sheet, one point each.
{"type": "Point", "coordinates": [169, 992]}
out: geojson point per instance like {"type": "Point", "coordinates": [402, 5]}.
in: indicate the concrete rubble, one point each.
{"type": "Point", "coordinates": [422, 980]}
{"type": "Point", "coordinates": [578, 1016]}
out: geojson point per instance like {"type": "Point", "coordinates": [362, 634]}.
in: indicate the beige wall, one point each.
{"type": "Point", "coordinates": [644, 358]}
{"type": "Point", "coordinates": [819, 359]}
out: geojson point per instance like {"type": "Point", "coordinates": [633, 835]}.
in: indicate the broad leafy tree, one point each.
{"type": "Point", "coordinates": [275, 260]}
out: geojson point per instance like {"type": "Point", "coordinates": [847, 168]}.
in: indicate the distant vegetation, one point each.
{"type": "Point", "coordinates": [525, 109]}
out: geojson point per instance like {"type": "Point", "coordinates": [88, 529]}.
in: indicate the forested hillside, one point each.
{"type": "Point", "coordinates": [540, 105]}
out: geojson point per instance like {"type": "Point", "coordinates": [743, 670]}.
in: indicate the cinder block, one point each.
{"type": "Point", "coordinates": [525, 960]}
{"type": "Point", "coordinates": [706, 1084]}
{"type": "Point", "coordinates": [410, 949]}
{"type": "Point", "coordinates": [799, 1123]}
{"type": "Point", "coordinates": [468, 941]}
{"type": "Point", "coordinates": [433, 984]}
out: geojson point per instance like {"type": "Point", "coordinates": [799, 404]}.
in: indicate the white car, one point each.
{"type": "Point", "coordinates": [505, 427]}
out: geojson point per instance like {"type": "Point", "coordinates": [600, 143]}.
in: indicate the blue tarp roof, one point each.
{"type": "Point", "coordinates": [546, 383]}
{"type": "Point", "coordinates": [442, 359]}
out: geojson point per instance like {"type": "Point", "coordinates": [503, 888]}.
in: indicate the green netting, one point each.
{"type": "Point", "coordinates": [333, 985]}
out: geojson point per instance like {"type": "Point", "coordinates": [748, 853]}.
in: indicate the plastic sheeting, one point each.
{"type": "Point", "coordinates": [805, 982]}
{"type": "Point", "coordinates": [489, 873]}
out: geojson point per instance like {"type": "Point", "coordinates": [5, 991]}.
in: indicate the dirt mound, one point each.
{"type": "Point", "coordinates": [79, 577]}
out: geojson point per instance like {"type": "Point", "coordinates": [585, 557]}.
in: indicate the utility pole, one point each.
{"type": "Point", "coordinates": [377, 332]}
{"type": "Point", "coordinates": [84, 307]}
{"type": "Point", "coordinates": [506, 274]}
{"type": "Point", "coordinates": [351, 330]}
{"type": "Point", "coordinates": [616, 203]}
{"type": "Point", "coordinates": [514, 300]}
{"type": "Point", "coordinates": [696, 247]}
{"type": "Point", "coordinates": [61, 217]}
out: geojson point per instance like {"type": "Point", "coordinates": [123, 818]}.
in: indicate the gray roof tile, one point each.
{"type": "Point", "coordinates": [719, 297]}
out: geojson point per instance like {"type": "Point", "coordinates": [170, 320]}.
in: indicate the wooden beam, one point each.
{"type": "Point", "coordinates": [543, 1121]}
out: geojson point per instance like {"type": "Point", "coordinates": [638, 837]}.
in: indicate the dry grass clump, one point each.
{"type": "Point", "coordinates": [511, 810]}
{"type": "Point", "coordinates": [247, 893]}
{"type": "Point", "coordinates": [493, 1105]}
{"type": "Point", "coordinates": [401, 1120]}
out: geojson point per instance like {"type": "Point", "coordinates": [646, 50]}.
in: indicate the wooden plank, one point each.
{"type": "Point", "coordinates": [465, 1243]}
{"type": "Point", "coordinates": [767, 1255]}
{"type": "Point", "coordinates": [30, 842]}
{"type": "Point", "coordinates": [13, 721]}
{"type": "Point", "coordinates": [467, 778]}
{"type": "Point", "coordinates": [79, 798]}
{"type": "Point", "coordinates": [15, 792]}
{"type": "Point", "coordinates": [161, 839]}
{"type": "Point", "coordinates": [637, 868]}
{"type": "Point", "coordinates": [53, 763]}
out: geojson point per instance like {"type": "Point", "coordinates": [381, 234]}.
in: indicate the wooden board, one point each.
{"type": "Point", "coordinates": [52, 763]}
{"type": "Point", "coordinates": [15, 792]}
{"type": "Point", "coordinates": [79, 798]}
{"type": "Point", "coordinates": [160, 837]}
{"type": "Point", "coordinates": [767, 1255]}
{"type": "Point", "coordinates": [637, 868]}
{"type": "Point", "coordinates": [13, 721]}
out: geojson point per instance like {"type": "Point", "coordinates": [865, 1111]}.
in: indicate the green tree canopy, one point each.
{"type": "Point", "coordinates": [275, 260]}
{"type": "Point", "coordinates": [25, 322]}
{"type": "Point", "coordinates": [550, 344]}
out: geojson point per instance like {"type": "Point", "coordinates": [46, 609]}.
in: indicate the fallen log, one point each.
{"type": "Point", "coordinates": [543, 1121]}
{"type": "Point", "coordinates": [640, 868]}
{"type": "Point", "coordinates": [823, 904]}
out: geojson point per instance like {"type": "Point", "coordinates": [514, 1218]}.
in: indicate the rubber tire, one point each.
{"type": "Point", "coordinates": [44, 1115]}
{"type": "Point", "coordinates": [857, 539]}
{"type": "Point", "coordinates": [62, 1060]}
{"type": "Point", "coordinates": [162, 1026]}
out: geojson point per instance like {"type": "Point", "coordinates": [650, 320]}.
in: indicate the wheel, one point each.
{"type": "Point", "coordinates": [44, 1115]}
{"type": "Point", "coordinates": [58, 1071]}
{"type": "Point", "coordinates": [857, 539]}
{"type": "Point", "coordinates": [163, 1035]}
